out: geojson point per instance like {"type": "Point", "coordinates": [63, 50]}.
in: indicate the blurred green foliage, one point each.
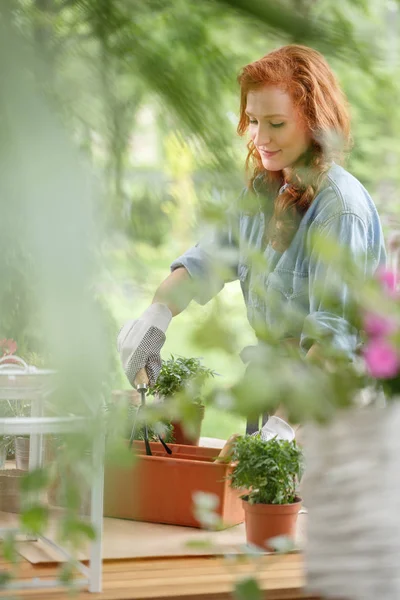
{"type": "Point", "coordinates": [118, 144]}
{"type": "Point", "coordinates": [147, 92]}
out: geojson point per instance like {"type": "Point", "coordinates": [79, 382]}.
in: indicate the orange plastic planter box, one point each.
{"type": "Point", "coordinates": [159, 488]}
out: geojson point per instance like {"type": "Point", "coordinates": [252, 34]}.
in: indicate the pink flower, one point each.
{"type": "Point", "coordinates": [381, 359]}
{"type": "Point", "coordinates": [389, 280]}
{"type": "Point", "coordinates": [377, 325]}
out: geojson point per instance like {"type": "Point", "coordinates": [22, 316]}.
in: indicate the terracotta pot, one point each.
{"type": "Point", "coordinates": [160, 488]}
{"type": "Point", "coordinates": [181, 436]}
{"type": "Point", "coordinates": [266, 521]}
{"type": "Point", "coordinates": [11, 360]}
{"type": "Point", "coordinates": [22, 445]}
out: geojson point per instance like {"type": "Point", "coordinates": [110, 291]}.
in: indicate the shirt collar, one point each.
{"type": "Point", "coordinates": [259, 186]}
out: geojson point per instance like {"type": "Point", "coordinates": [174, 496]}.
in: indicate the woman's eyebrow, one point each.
{"type": "Point", "coordinates": [250, 114]}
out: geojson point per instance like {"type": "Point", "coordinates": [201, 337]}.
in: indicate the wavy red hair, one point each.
{"type": "Point", "coordinates": [305, 75]}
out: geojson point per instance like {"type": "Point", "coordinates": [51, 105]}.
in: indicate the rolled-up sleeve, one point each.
{"type": "Point", "coordinates": [330, 296]}
{"type": "Point", "coordinates": [213, 261]}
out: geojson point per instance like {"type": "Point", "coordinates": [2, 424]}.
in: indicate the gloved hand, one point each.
{"type": "Point", "coordinates": [140, 341]}
{"type": "Point", "coordinates": [277, 427]}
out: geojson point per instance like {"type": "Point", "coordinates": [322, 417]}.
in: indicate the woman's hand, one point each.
{"type": "Point", "coordinates": [140, 341]}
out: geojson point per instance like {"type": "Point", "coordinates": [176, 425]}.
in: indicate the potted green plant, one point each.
{"type": "Point", "coordinates": [19, 408]}
{"type": "Point", "coordinates": [16, 408]}
{"type": "Point", "coordinates": [8, 347]}
{"type": "Point", "coordinates": [11, 446]}
{"type": "Point", "coordinates": [5, 446]}
{"type": "Point", "coordinates": [269, 471]}
{"type": "Point", "coordinates": [182, 379]}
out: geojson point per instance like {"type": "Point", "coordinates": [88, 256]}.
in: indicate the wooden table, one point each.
{"type": "Point", "coordinates": [189, 578]}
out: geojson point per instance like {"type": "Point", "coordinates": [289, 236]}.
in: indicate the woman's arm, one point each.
{"type": "Point", "coordinates": [329, 318]}
{"type": "Point", "coordinates": [175, 291]}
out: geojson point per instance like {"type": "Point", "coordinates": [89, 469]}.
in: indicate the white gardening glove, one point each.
{"type": "Point", "coordinates": [276, 427]}
{"type": "Point", "coordinates": [140, 341]}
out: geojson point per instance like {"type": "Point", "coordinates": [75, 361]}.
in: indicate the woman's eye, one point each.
{"type": "Point", "coordinates": [253, 121]}
{"type": "Point", "coordinates": [276, 125]}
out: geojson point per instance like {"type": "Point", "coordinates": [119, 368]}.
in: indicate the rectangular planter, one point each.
{"type": "Point", "coordinates": [160, 488]}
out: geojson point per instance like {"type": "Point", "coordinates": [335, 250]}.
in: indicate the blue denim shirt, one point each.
{"type": "Point", "coordinates": [284, 292]}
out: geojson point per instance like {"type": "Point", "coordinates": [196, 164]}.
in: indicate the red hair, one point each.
{"type": "Point", "coordinates": [306, 76]}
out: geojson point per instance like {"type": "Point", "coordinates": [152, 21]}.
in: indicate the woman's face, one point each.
{"type": "Point", "coordinates": [276, 127]}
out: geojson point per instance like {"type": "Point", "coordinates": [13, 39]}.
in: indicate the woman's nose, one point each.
{"type": "Point", "coordinates": [262, 137]}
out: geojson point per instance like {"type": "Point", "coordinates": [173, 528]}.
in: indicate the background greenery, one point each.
{"type": "Point", "coordinates": [118, 145]}
{"type": "Point", "coordinates": [146, 95]}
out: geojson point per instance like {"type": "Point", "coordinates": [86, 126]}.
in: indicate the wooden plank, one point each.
{"type": "Point", "coordinates": [273, 571]}
{"type": "Point", "coordinates": [200, 594]}
{"type": "Point", "coordinates": [206, 572]}
{"type": "Point", "coordinates": [278, 563]}
{"type": "Point", "coordinates": [171, 589]}
{"type": "Point", "coordinates": [184, 580]}
{"type": "Point", "coordinates": [295, 557]}
{"type": "Point", "coordinates": [215, 595]}
{"type": "Point", "coordinates": [287, 562]}
{"type": "Point", "coordinates": [194, 578]}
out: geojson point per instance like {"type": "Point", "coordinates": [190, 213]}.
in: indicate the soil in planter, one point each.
{"type": "Point", "coordinates": [266, 521]}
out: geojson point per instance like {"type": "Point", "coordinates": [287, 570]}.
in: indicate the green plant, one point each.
{"type": "Point", "coordinates": [6, 441]}
{"type": "Point", "coordinates": [269, 470]}
{"type": "Point", "coordinates": [10, 409]}
{"type": "Point", "coordinates": [179, 374]}
{"type": "Point", "coordinates": [163, 428]}
{"type": "Point", "coordinates": [19, 408]}
{"type": "Point", "coordinates": [123, 418]}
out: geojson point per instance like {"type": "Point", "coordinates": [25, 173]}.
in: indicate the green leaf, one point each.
{"type": "Point", "coordinates": [248, 589]}
{"type": "Point", "coordinates": [35, 518]}
{"type": "Point", "coordinates": [74, 529]}
{"type": "Point", "coordinates": [9, 549]}
{"type": "Point", "coordinates": [35, 480]}
{"type": "Point", "coordinates": [200, 544]}
{"type": "Point", "coordinates": [266, 469]}
{"type": "Point", "coordinates": [177, 373]}
{"type": "Point", "coordinates": [5, 577]}
{"type": "Point", "coordinates": [66, 574]}
{"type": "Point", "coordinates": [87, 530]}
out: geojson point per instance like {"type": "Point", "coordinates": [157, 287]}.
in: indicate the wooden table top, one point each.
{"type": "Point", "coordinates": [281, 577]}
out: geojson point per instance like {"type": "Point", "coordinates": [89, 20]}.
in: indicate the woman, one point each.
{"type": "Point", "coordinates": [297, 119]}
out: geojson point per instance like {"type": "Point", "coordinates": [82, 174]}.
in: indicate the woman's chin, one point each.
{"type": "Point", "coordinates": [271, 164]}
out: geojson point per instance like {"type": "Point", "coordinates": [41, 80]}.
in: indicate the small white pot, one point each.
{"type": "Point", "coordinates": [22, 446]}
